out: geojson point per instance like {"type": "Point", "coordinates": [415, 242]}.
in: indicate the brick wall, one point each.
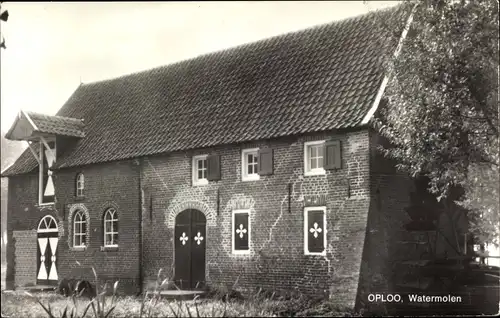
{"type": "Point", "coordinates": [385, 235]}
{"type": "Point", "coordinates": [107, 185]}
{"type": "Point", "coordinates": [276, 260]}
{"type": "Point", "coordinates": [112, 185]}
{"type": "Point", "coordinates": [25, 258]}
{"type": "Point", "coordinates": [388, 244]}
{"type": "Point", "coordinates": [367, 190]}
{"type": "Point", "coordinates": [22, 215]}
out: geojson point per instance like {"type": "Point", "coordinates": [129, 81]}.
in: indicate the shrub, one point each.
{"type": "Point", "coordinates": [69, 287]}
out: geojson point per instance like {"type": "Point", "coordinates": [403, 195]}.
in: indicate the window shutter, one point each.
{"type": "Point", "coordinates": [315, 231]}
{"type": "Point", "coordinates": [241, 231]}
{"type": "Point", "coordinates": [333, 156]}
{"type": "Point", "coordinates": [265, 156]}
{"type": "Point", "coordinates": [213, 168]}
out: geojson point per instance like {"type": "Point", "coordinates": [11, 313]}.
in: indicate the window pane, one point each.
{"type": "Point", "coordinates": [107, 227]}
{"type": "Point", "coordinates": [108, 239]}
{"type": "Point", "coordinates": [200, 174]}
{"type": "Point", "coordinates": [320, 162]}
{"type": "Point", "coordinates": [84, 236]}
{"type": "Point", "coordinates": [84, 227]}
{"type": "Point", "coordinates": [313, 163]}
{"type": "Point", "coordinates": [115, 239]}
{"type": "Point", "coordinates": [319, 150]}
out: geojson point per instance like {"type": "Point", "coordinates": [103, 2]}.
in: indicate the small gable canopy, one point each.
{"type": "Point", "coordinates": [31, 126]}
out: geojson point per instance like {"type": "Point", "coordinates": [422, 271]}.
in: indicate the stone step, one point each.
{"type": "Point", "coordinates": [182, 294]}
{"type": "Point", "coordinates": [38, 288]}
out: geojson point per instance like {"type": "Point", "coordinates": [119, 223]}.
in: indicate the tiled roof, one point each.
{"type": "Point", "coordinates": [318, 79]}
{"type": "Point", "coordinates": [58, 125]}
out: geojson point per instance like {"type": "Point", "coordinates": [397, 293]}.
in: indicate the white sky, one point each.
{"type": "Point", "coordinates": [51, 46]}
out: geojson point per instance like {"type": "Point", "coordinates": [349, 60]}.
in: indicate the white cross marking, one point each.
{"type": "Point", "coordinates": [315, 230]}
{"type": "Point", "coordinates": [198, 238]}
{"type": "Point", "coordinates": [241, 231]}
{"type": "Point", "coordinates": [183, 238]}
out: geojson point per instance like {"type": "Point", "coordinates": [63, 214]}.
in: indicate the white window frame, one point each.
{"type": "Point", "coordinates": [41, 171]}
{"type": "Point", "coordinates": [244, 165]}
{"type": "Point", "coordinates": [315, 171]}
{"type": "Point", "coordinates": [80, 185]}
{"type": "Point", "coordinates": [114, 213]}
{"type": "Point", "coordinates": [241, 252]}
{"type": "Point", "coordinates": [197, 181]}
{"type": "Point", "coordinates": [306, 229]}
{"type": "Point", "coordinates": [46, 229]}
{"type": "Point", "coordinates": [82, 215]}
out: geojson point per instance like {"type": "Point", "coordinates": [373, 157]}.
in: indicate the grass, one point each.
{"type": "Point", "coordinates": [19, 304]}
{"type": "Point", "coordinates": [218, 304]}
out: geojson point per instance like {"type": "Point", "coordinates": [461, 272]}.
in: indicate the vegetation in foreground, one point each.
{"type": "Point", "coordinates": [221, 302]}
{"type": "Point", "coordinates": [20, 304]}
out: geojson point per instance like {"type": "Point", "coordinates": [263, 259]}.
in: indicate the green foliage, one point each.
{"type": "Point", "coordinates": [482, 199]}
{"type": "Point", "coordinates": [440, 111]}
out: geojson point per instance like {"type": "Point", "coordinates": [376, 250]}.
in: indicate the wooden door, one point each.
{"type": "Point", "coordinates": [47, 241]}
{"type": "Point", "coordinates": [190, 246]}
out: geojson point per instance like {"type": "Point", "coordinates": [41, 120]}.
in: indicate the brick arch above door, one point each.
{"type": "Point", "coordinates": [174, 209]}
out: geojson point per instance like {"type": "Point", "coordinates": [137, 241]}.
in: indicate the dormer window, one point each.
{"type": "Point", "coordinates": [80, 185]}
{"type": "Point", "coordinates": [46, 190]}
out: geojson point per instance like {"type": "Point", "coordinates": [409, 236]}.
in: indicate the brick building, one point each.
{"type": "Point", "coordinates": [255, 164]}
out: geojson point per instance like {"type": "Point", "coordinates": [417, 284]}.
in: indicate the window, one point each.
{"type": "Point", "coordinates": [80, 185]}
{"type": "Point", "coordinates": [45, 181]}
{"type": "Point", "coordinates": [200, 170]}
{"type": "Point", "coordinates": [79, 230]}
{"type": "Point", "coordinates": [111, 228]}
{"type": "Point", "coordinates": [313, 158]}
{"type": "Point", "coordinates": [241, 232]}
{"type": "Point", "coordinates": [250, 164]}
{"type": "Point", "coordinates": [315, 231]}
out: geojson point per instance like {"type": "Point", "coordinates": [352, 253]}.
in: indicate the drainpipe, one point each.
{"type": "Point", "coordinates": [141, 225]}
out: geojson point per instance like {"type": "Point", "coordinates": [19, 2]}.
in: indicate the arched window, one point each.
{"type": "Point", "coordinates": [111, 227]}
{"type": "Point", "coordinates": [80, 185]}
{"type": "Point", "coordinates": [79, 230]}
{"type": "Point", "coordinates": [47, 224]}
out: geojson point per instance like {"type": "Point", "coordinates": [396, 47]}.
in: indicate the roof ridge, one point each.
{"type": "Point", "coordinates": [243, 45]}
{"type": "Point", "coordinates": [319, 79]}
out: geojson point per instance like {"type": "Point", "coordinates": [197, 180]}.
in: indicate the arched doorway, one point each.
{"type": "Point", "coordinates": [190, 246]}
{"type": "Point", "coordinates": [47, 237]}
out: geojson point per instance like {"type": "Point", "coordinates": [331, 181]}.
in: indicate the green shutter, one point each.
{"type": "Point", "coordinates": [265, 156]}
{"type": "Point", "coordinates": [241, 232]}
{"type": "Point", "coordinates": [316, 231]}
{"type": "Point", "coordinates": [213, 168]}
{"type": "Point", "coordinates": [333, 156]}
